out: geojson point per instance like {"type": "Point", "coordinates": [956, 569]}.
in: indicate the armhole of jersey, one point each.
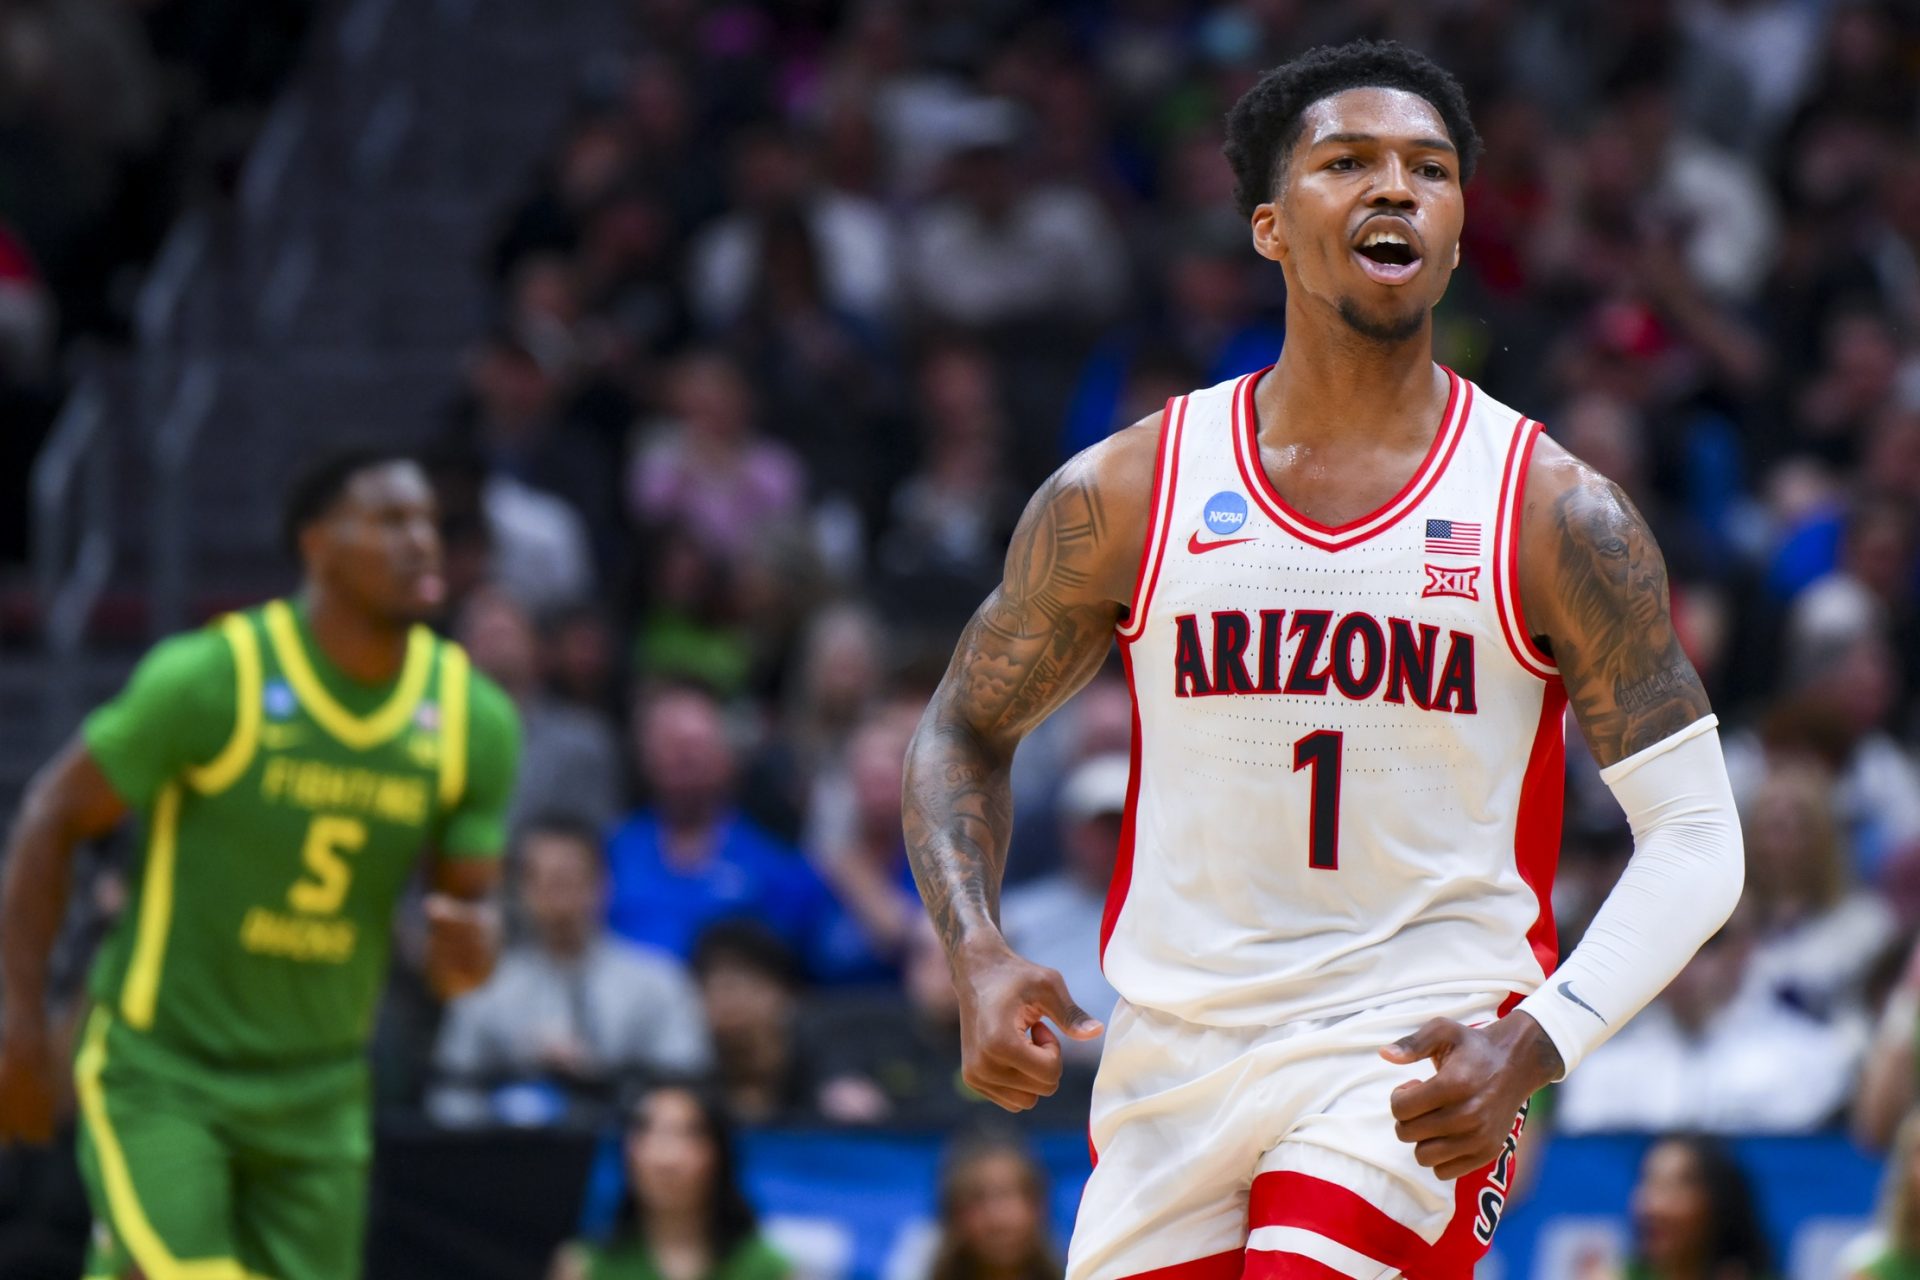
{"type": "Point", "coordinates": [1166, 470]}
{"type": "Point", "coordinates": [1506, 554]}
{"type": "Point", "coordinates": [224, 769]}
{"type": "Point", "coordinates": [454, 691]}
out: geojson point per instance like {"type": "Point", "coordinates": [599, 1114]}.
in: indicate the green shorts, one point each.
{"type": "Point", "coordinates": [204, 1173]}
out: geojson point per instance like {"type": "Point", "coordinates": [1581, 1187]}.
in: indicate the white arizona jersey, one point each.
{"type": "Point", "coordinates": [1347, 751]}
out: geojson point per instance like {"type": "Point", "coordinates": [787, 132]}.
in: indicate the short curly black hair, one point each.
{"type": "Point", "coordinates": [319, 488]}
{"type": "Point", "coordinates": [1266, 122]}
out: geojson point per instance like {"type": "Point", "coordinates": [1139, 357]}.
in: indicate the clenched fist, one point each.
{"type": "Point", "coordinates": [1009, 1054]}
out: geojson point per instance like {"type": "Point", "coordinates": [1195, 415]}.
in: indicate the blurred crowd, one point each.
{"type": "Point", "coordinates": [808, 296]}
{"type": "Point", "coordinates": [115, 115]}
{"type": "Point", "coordinates": [806, 300]}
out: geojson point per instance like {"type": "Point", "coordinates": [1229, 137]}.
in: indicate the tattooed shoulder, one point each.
{"type": "Point", "coordinates": [1610, 619]}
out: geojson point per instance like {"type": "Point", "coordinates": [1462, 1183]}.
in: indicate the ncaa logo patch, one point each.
{"type": "Point", "coordinates": [1225, 512]}
{"type": "Point", "coordinates": [277, 700]}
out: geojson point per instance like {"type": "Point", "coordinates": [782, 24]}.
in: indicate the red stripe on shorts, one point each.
{"type": "Point", "coordinates": [1289, 1199]}
{"type": "Point", "coordinates": [1219, 1266]}
{"type": "Point", "coordinates": [1262, 1265]}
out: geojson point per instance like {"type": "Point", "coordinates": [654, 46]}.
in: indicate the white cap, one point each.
{"type": "Point", "coordinates": [1095, 787]}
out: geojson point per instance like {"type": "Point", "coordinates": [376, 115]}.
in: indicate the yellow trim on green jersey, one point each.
{"type": "Point", "coordinates": [130, 1221]}
{"type": "Point", "coordinates": [225, 769]}
{"type": "Point", "coordinates": [454, 672]}
{"type": "Point", "coordinates": [360, 733]}
{"type": "Point", "coordinates": [141, 991]}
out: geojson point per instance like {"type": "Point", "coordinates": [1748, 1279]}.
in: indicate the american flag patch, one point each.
{"type": "Point", "coordinates": [1452, 538]}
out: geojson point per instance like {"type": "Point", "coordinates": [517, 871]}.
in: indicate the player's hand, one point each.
{"type": "Point", "coordinates": [1008, 1054]}
{"type": "Point", "coordinates": [462, 939]}
{"type": "Point", "coordinates": [27, 1093]}
{"type": "Point", "coordinates": [1459, 1119]}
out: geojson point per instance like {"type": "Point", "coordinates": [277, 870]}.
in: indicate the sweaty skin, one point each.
{"type": "Point", "coordinates": [1344, 419]}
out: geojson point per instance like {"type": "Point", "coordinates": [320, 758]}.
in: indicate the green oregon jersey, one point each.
{"type": "Point", "coordinates": [283, 808]}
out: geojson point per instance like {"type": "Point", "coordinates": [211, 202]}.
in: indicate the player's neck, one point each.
{"type": "Point", "coordinates": [363, 648]}
{"type": "Point", "coordinates": [1332, 384]}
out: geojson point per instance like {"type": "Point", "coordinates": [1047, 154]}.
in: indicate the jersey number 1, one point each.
{"type": "Point", "coordinates": [1320, 752]}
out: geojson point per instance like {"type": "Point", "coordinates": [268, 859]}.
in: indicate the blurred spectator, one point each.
{"type": "Point", "coordinates": [993, 1214]}
{"type": "Point", "coordinates": [826, 370]}
{"type": "Point", "coordinates": [1888, 1080]}
{"type": "Point", "coordinates": [1055, 921]}
{"type": "Point", "coordinates": [569, 759]}
{"type": "Point", "coordinates": [1869, 591]}
{"type": "Point", "coordinates": [685, 1215]}
{"type": "Point", "coordinates": [773, 180]}
{"type": "Point", "coordinates": [578, 658]}
{"type": "Point", "coordinates": [993, 250]}
{"type": "Point", "coordinates": [689, 859]}
{"type": "Point", "coordinates": [692, 626]}
{"type": "Point", "coordinates": [1208, 332]}
{"type": "Point", "coordinates": [882, 1061]}
{"type": "Point", "coordinates": [29, 319]}
{"type": "Point", "coordinates": [749, 987]}
{"type": "Point", "coordinates": [1838, 716]}
{"type": "Point", "coordinates": [707, 468]}
{"type": "Point", "coordinates": [1891, 1251]}
{"type": "Point", "coordinates": [800, 774]}
{"type": "Point", "coordinates": [515, 413]}
{"type": "Point", "coordinates": [586, 169]}
{"type": "Point", "coordinates": [1716, 1051]}
{"type": "Point", "coordinates": [863, 931]}
{"type": "Point", "coordinates": [1097, 721]}
{"type": "Point", "coordinates": [1819, 933]}
{"type": "Point", "coordinates": [1694, 1216]}
{"type": "Point", "coordinates": [950, 519]}
{"type": "Point", "coordinates": [570, 1007]}
{"type": "Point", "coordinates": [1772, 45]}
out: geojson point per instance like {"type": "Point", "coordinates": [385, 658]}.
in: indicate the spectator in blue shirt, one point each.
{"type": "Point", "coordinates": [689, 859]}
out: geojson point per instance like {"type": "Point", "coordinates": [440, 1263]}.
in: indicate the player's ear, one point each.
{"type": "Point", "coordinates": [1269, 232]}
{"type": "Point", "coordinates": [1456, 255]}
{"type": "Point", "coordinates": [312, 541]}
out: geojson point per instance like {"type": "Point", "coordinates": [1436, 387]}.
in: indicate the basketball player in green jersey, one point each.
{"type": "Point", "coordinates": [288, 767]}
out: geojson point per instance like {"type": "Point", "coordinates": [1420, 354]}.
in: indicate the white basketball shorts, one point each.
{"type": "Point", "coordinates": [1269, 1154]}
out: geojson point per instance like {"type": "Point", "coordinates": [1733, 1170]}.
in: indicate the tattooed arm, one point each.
{"type": "Point", "coordinates": [1594, 589]}
{"type": "Point", "coordinates": [1035, 641]}
{"type": "Point", "coordinates": [1595, 584]}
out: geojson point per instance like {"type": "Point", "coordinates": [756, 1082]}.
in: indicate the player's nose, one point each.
{"type": "Point", "coordinates": [1393, 185]}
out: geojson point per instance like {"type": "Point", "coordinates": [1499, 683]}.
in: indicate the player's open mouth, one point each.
{"type": "Point", "coordinates": [1386, 252]}
{"type": "Point", "coordinates": [429, 587]}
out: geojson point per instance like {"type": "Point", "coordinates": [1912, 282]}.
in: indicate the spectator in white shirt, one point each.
{"type": "Point", "coordinates": [1717, 1052]}
{"type": "Point", "coordinates": [1819, 932]}
{"type": "Point", "coordinates": [1055, 920]}
{"type": "Point", "coordinates": [572, 1009]}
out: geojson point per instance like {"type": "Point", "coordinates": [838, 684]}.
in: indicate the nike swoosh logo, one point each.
{"type": "Point", "coordinates": [1566, 989]}
{"type": "Point", "coordinates": [1198, 547]}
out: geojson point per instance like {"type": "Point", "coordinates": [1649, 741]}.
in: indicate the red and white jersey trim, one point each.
{"type": "Point", "coordinates": [1346, 745]}
{"type": "Point", "coordinates": [1246, 442]}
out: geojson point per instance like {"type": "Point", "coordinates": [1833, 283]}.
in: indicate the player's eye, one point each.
{"type": "Point", "coordinates": [1343, 163]}
{"type": "Point", "coordinates": [1434, 171]}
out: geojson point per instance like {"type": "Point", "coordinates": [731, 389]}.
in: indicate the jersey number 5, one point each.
{"type": "Point", "coordinates": [321, 891]}
{"type": "Point", "coordinates": [1320, 752]}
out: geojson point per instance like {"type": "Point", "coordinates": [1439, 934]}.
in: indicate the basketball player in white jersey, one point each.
{"type": "Point", "coordinates": [1354, 595]}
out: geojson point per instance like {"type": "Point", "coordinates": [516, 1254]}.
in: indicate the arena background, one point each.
{"type": "Point", "coordinates": [735, 334]}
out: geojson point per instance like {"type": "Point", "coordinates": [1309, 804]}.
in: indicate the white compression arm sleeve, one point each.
{"type": "Point", "coordinates": [1685, 876]}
